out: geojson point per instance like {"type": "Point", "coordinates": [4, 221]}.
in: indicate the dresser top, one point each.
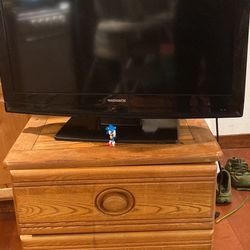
{"type": "Point", "coordinates": [36, 148]}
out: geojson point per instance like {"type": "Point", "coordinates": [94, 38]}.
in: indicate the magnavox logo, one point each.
{"type": "Point", "coordinates": [117, 100]}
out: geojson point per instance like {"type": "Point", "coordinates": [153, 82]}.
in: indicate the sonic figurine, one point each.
{"type": "Point", "coordinates": [111, 131]}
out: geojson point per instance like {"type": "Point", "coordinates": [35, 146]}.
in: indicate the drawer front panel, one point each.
{"type": "Point", "coordinates": [99, 207]}
{"type": "Point", "coordinates": [190, 240]}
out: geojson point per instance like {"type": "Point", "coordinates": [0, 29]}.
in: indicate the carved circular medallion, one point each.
{"type": "Point", "coordinates": [115, 201]}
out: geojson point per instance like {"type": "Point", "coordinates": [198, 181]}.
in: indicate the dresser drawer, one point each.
{"type": "Point", "coordinates": [86, 201]}
{"type": "Point", "coordinates": [174, 240]}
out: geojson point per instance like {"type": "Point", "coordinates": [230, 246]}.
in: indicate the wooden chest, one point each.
{"type": "Point", "coordinates": [11, 126]}
{"type": "Point", "coordinates": [89, 196]}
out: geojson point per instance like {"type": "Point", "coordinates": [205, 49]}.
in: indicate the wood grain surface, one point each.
{"type": "Point", "coordinates": [160, 240]}
{"type": "Point", "coordinates": [11, 126]}
{"type": "Point", "coordinates": [196, 144]}
{"type": "Point", "coordinates": [59, 201]}
{"type": "Point", "coordinates": [133, 196]}
{"type": "Point", "coordinates": [6, 194]}
{"type": "Point", "coordinates": [230, 234]}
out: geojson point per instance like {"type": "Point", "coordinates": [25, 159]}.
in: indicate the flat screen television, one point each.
{"type": "Point", "coordinates": [124, 59]}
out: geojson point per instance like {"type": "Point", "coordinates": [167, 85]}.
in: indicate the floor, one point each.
{"type": "Point", "coordinates": [230, 234]}
{"type": "Point", "coordinates": [234, 232]}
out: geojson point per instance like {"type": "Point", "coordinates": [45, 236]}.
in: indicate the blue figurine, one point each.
{"type": "Point", "coordinates": [111, 131]}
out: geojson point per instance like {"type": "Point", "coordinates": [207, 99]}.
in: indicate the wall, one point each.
{"type": "Point", "coordinates": [232, 126]}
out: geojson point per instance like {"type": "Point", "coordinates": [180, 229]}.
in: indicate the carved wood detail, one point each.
{"type": "Point", "coordinates": [158, 240]}
{"type": "Point", "coordinates": [72, 195]}
{"type": "Point", "coordinates": [115, 201]}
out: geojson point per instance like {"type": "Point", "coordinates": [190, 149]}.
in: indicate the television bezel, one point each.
{"type": "Point", "coordinates": [232, 105]}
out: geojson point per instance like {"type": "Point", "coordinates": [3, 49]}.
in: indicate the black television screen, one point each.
{"type": "Point", "coordinates": [126, 58]}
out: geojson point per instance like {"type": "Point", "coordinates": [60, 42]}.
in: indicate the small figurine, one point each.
{"type": "Point", "coordinates": [111, 131]}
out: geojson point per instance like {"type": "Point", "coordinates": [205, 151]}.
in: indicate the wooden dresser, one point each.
{"type": "Point", "coordinates": [11, 126]}
{"type": "Point", "coordinates": [72, 195]}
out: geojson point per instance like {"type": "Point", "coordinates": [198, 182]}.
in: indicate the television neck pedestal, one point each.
{"type": "Point", "coordinates": [128, 130]}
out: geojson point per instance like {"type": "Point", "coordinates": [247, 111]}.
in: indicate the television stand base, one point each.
{"type": "Point", "coordinates": [128, 130]}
